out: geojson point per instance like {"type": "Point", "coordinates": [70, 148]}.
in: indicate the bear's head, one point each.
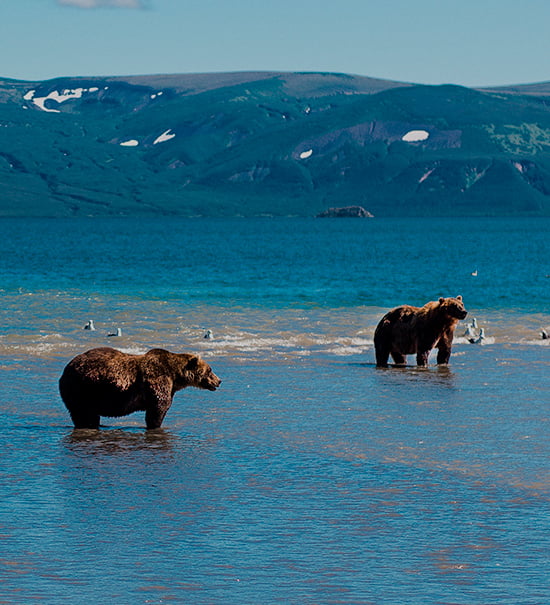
{"type": "Point", "coordinates": [197, 373]}
{"type": "Point", "coordinates": [453, 307]}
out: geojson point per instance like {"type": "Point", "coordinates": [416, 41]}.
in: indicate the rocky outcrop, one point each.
{"type": "Point", "coordinates": [345, 212]}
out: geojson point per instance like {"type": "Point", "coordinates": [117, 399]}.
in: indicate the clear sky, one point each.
{"type": "Point", "coordinates": [469, 42]}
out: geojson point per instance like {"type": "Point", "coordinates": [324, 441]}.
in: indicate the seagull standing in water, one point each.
{"type": "Point", "coordinates": [469, 333]}
{"type": "Point", "coordinates": [479, 339]}
{"type": "Point", "coordinates": [90, 325]}
{"type": "Point", "coordinates": [117, 333]}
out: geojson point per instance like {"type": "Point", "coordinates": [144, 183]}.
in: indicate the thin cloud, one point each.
{"type": "Point", "coordinates": [136, 4]}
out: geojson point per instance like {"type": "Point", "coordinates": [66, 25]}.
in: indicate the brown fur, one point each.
{"type": "Point", "coordinates": [107, 382]}
{"type": "Point", "coordinates": [411, 330]}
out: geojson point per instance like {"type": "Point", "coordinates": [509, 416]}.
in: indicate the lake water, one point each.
{"type": "Point", "coordinates": [310, 476]}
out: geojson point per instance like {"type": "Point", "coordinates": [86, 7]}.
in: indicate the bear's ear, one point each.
{"type": "Point", "coordinates": [459, 297]}
{"type": "Point", "coordinates": [441, 300]}
{"type": "Point", "coordinates": [193, 363]}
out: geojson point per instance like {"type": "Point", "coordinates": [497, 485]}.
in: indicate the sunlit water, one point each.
{"type": "Point", "coordinates": [310, 476]}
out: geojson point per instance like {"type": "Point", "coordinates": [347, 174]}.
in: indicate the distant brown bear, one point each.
{"type": "Point", "coordinates": [406, 330]}
{"type": "Point", "coordinates": [107, 382]}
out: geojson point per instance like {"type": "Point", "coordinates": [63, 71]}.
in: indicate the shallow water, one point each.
{"type": "Point", "coordinates": [327, 481]}
{"type": "Point", "coordinates": [310, 476]}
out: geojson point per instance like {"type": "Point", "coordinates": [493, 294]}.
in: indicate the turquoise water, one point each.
{"type": "Point", "coordinates": [310, 476]}
{"type": "Point", "coordinates": [283, 262]}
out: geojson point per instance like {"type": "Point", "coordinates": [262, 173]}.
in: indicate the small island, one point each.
{"type": "Point", "coordinates": [345, 212]}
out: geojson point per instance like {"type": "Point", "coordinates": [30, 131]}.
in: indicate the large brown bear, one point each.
{"type": "Point", "coordinates": [107, 382]}
{"type": "Point", "coordinates": [407, 330]}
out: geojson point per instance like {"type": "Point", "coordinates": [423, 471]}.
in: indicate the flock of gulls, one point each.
{"type": "Point", "coordinates": [90, 326]}
{"type": "Point", "coordinates": [470, 333]}
{"type": "Point", "coordinates": [209, 335]}
{"type": "Point", "coordinates": [480, 336]}
{"type": "Point", "coordinates": [477, 338]}
{"type": "Point", "coordinates": [474, 334]}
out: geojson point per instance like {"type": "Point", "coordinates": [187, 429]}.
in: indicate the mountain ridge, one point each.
{"type": "Point", "coordinates": [271, 143]}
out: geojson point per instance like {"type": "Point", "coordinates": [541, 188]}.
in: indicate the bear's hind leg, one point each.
{"type": "Point", "coordinates": [84, 420]}
{"type": "Point", "coordinates": [399, 358]}
{"type": "Point", "coordinates": [422, 358]}
{"type": "Point", "coordinates": [382, 355]}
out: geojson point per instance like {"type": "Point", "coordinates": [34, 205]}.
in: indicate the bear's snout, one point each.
{"type": "Point", "coordinates": [462, 314]}
{"type": "Point", "coordinates": [211, 382]}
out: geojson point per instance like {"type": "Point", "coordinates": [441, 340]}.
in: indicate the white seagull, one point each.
{"type": "Point", "coordinates": [479, 339]}
{"type": "Point", "coordinates": [470, 328]}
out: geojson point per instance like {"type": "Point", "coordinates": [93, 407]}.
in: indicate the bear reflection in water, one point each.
{"type": "Point", "coordinates": [408, 330]}
{"type": "Point", "coordinates": [107, 382]}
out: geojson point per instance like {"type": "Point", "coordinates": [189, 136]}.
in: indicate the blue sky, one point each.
{"type": "Point", "coordinates": [469, 42]}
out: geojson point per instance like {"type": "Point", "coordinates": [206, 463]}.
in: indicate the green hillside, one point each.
{"type": "Point", "coordinates": [271, 144]}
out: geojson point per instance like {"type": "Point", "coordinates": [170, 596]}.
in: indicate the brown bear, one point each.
{"type": "Point", "coordinates": [107, 382]}
{"type": "Point", "coordinates": [406, 330]}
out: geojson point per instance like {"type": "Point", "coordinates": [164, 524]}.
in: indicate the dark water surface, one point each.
{"type": "Point", "coordinates": [310, 476]}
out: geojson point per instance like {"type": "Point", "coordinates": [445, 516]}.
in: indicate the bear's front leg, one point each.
{"type": "Point", "coordinates": [444, 349]}
{"type": "Point", "coordinates": [158, 401]}
{"type": "Point", "coordinates": [443, 355]}
{"type": "Point", "coordinates": [155, 415]}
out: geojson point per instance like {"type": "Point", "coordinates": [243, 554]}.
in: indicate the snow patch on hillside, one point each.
{"type": "Point", "coordinates": [414, 136]}
{"type": "Point", "coordinates": [425, 176]}
{"type": "Point", "coordinates": [165, 136]}
{"type": "Point", "coordinates": [519, 167]}
{"type": "Point", "coordinates": [58, 97]}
